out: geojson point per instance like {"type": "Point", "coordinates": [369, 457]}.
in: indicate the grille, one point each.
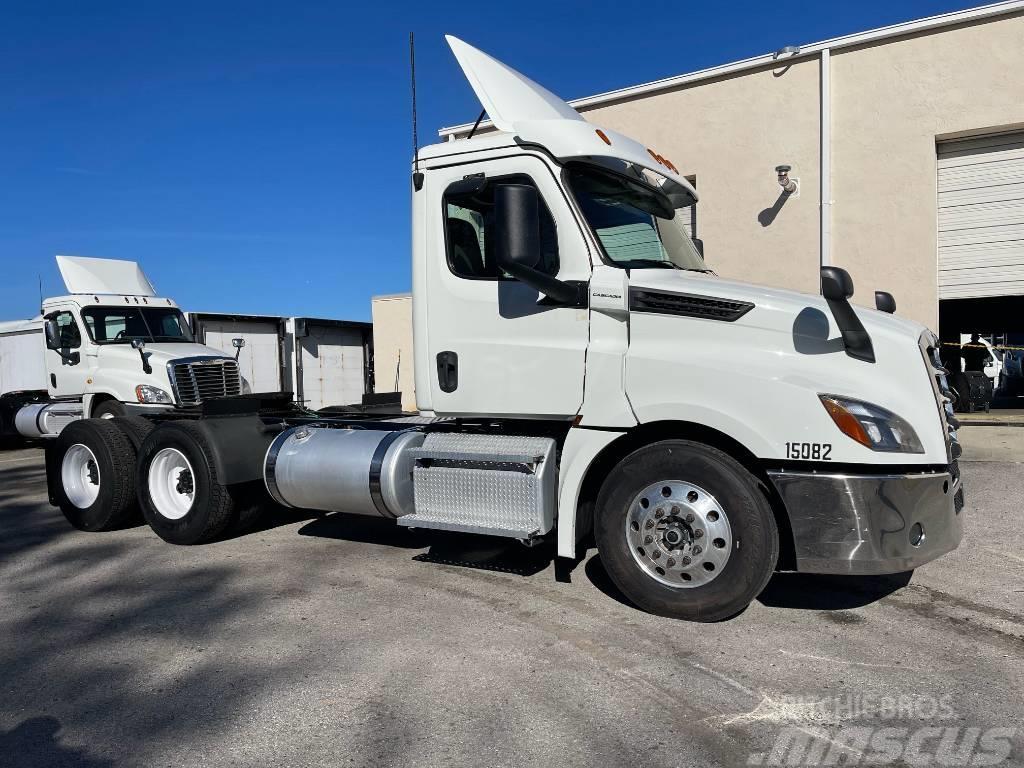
{"type": "Point", "coordinates": [205, 378]}
{"type": "Point", "coordinates": [944, 398]}
{"type": "Point", "coordinates": [688, 305]}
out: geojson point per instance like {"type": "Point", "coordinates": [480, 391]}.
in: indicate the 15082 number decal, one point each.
{"type": "Point", "coordinates": [809, 451]}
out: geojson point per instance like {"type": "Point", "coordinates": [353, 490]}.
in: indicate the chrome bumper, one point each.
{"type": "Point", "coordinates": [865, 524]}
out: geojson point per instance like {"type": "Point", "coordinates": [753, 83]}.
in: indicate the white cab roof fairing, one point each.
{"type": "Point", "coordinates": [104, 276]}
{"type": "Point", "coordinates": [518, 105]}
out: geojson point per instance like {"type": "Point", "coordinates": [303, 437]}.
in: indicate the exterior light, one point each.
{"type": "Point", "coordinates": [789, 186]}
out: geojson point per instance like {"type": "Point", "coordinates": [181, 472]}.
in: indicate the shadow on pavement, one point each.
{"type": "Point", "coordinates": [35, 743]}
{"type": "Point", "coordinates": [829, 593]}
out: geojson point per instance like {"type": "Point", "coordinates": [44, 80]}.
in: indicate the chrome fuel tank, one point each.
{"type": "Point", "coordinates": [361, 471]}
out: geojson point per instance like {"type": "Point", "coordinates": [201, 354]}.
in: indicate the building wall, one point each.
{"type": "Point", "coordinates": [392, 346]}
{"type": "Point", "coordinates": [891, 101]}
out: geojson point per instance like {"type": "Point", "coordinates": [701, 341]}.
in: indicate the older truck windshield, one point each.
{"type": "Point", "coordinates": [119, 325]}
{"type": "Point", "coordinates": [636, 224]}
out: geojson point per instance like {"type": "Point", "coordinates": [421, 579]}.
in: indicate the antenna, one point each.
{"type": "Point", "coordinates": [40, 276]}
{"type": "Point", "coordinates": [417, 176]}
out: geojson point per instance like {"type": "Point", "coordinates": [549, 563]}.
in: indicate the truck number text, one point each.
{"type": "Point", "coordinates": [812, 451]}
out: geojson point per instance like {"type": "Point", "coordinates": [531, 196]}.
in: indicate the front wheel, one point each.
{"type": "Point", "coordinates": [685, 531]}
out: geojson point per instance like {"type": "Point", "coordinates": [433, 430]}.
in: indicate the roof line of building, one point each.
{"type": "Point", "coordinates": [804, 51]}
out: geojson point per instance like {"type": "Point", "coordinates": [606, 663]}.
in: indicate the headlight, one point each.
{"type": "Point", "coordinates": [872, 426]}
{"type": "Point", "coordinates": [246, 389]}
{"type": "Point", "coordinates": [147, 394]}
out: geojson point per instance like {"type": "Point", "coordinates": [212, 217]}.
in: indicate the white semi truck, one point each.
{"type": "Point", "coordinates": [576, 374]}
{"type": "Point", "coordinates": [111, 347]}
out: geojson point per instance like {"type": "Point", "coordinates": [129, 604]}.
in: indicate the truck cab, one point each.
{"type": "Point", "coordinates": [117, 348]}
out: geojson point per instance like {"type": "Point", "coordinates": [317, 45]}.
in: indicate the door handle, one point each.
{"type": "Point", "coordinates": [448, 371]}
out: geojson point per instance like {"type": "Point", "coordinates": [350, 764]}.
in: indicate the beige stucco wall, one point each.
{"type": "Point", "coordinates": [890, 102]}
{"type": "Point", "coordinates": [392, 346]}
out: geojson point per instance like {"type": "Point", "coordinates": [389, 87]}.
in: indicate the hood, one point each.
{"type": "Point", "coordinates": [159, 354]}
{"type": "Point", "coordinates": [516, 104]}
{"type": "Point", "coordinates": [774, 308]}
{"type": "Point", "coordinates": [104, 276]}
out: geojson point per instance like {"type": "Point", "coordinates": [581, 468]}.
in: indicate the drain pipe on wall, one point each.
{"type": "Point", "coordinates": [826, 158]}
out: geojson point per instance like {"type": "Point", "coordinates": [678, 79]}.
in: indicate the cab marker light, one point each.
{"type": "Point", "coordinates": [601, 135]}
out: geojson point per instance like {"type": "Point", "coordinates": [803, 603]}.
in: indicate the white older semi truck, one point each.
{"type": "Point", "coordinates": [111, 347]}
{"type": "Point", "coordinates": [576, 374]}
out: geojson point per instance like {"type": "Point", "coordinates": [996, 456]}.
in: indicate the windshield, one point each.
{"type": "Point", "coordinates": [119, 325]}
{"type": "Point", "coordinates": [635, 222]}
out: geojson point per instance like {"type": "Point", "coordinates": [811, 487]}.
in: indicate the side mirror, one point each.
{"type": "Point", "coordinates": [517, 246]}
{"type": "Point", "coordinates": [237, 344]}
{"type": "Point", "coordinates": [836, 284]}
{"type": "Point", "coordinates": [52, 334]}
{"type": "Point", "coordinates": [140, 345]}
{"type": "Point", "coordinates": [517, 215]}
{"type": "Point", "coordinates": [884, 302]}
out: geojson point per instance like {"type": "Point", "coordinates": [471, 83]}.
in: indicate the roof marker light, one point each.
{"type": "Point", "coordinates": [601, 135]}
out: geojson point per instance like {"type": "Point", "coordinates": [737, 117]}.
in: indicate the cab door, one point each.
{"type": "Point", "coordinates": [495, 345]}
{"type": "Point", "coordinates": [66, 366]}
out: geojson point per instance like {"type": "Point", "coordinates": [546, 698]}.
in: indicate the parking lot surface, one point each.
{"type": "Point", "coordinates": [337, 640]}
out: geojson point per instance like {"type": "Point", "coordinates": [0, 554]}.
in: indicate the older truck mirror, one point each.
{"type": "Point", "coordinates": [517, 248]}
{"type": "Point", "coordinates": [52, 334]}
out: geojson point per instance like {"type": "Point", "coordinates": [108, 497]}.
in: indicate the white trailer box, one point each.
{"type": "Point", "coordinates": [22, 365]}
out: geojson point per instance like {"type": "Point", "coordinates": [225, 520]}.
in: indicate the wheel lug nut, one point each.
{"type": "Point", "coordinates": [697, 550]}
{"type": "Point", "coordinates": [689, 517]}
{"type": "Point", "coordinates": [670, 562]}
{"type": "Point", "coordinates": [698, 533]}
{"type": "Point", "coordinates": [649, 524]}
{"type": "Point", "coordinates": [648, 539]}
{"type": "Point", "coordinates": [686, 561]}
{"type": "Point", "coordinates": [656, 554]}
{"type": "Point", "coordinates": [675, 509]}
{"type": "Point", "coordinates": [659, 512]}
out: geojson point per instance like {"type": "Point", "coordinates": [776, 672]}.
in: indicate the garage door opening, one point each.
{"type": "Point", "coordinates": [981, 255]}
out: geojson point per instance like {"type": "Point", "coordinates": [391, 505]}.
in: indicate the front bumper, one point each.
{"type": "Point", "coordinates": [147, 409]}
{"type": "Point", "coordinates": [864, 524]}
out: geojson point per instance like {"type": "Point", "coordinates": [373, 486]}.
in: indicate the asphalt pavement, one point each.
{"type": "Point", "coordinates": [339, 640]}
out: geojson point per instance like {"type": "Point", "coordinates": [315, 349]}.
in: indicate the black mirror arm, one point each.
{"type": "Point", "coordinates": [572, 294]}
{"type": "Point", "coordinates": [146, 367]}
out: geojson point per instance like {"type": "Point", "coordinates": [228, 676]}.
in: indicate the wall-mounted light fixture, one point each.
{"type": "Point", "coordinates": [789, 186]}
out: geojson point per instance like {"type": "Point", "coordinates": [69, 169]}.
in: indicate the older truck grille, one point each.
{"type": "Point", "coordinates": [200, 379]}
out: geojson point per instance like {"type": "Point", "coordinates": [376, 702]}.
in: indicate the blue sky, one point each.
{"type": "Point", "coordinates": [254, 156]}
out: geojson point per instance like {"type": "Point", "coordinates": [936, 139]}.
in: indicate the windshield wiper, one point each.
{"type": "Point", "coordinates": [653, 263]}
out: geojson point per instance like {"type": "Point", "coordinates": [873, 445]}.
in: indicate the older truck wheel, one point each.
{"type": "Point", "coordinates": [93, 476]}
{"type": "Point", "coordinates": [685, 531]}
{"type": "Point", "coordinates": [180, 494]}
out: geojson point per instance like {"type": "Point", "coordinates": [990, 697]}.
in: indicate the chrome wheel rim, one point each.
{"type": "Point", "coordinates": [171, 483]}
{"type": "Point", "coordinates": [679, 534]}
{"type": "Point", "coordinates": [80, 476]}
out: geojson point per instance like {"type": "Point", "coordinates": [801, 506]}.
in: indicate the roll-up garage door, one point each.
{"type": "Point", "coordinates": [981, 217]}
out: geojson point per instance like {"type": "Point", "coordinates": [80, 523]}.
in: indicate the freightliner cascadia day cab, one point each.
{"type": "Point", "coordinates": [575, 376]}
{"type": "Point", "coordinates": [111, 347]}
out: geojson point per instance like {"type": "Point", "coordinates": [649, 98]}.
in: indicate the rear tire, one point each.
{"type": "Point", "coordinates": [94, 474]}
{"type": "Point", "coordinates": [180, 495]}
{"type": "Point", "coordinates": [685, 531]}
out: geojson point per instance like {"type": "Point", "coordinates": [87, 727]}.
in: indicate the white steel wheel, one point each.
{"type": "Point", "coordinates": [171, 483]}
{"type": "Point", "coordinates": [678, 534]}
{"type": "Point", "coordinates": [80, 476]}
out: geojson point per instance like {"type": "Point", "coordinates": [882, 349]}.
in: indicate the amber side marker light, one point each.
{"type": "Point", "coordinates": [601, 135]}
{"type": "Point", "coordinates": [848, 424]}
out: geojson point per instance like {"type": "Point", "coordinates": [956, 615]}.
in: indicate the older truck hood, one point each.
{"type": "Point", "coordinates": [757, 377]}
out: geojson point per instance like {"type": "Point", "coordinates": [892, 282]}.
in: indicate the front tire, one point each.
{"type": "Point", "coordinates": [109, 409]}
{"type": "Point", "coordinates": [685, 531]}
{"type": "Point", "coordinates": [179, 492]}
{"type": "Point", "coordinates": [94, 465]}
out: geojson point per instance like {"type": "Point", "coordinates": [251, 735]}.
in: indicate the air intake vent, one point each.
{"type": "Point", "coordinates": [199, 379]}
{"type": "Point", "coordinates": [687, 305]}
